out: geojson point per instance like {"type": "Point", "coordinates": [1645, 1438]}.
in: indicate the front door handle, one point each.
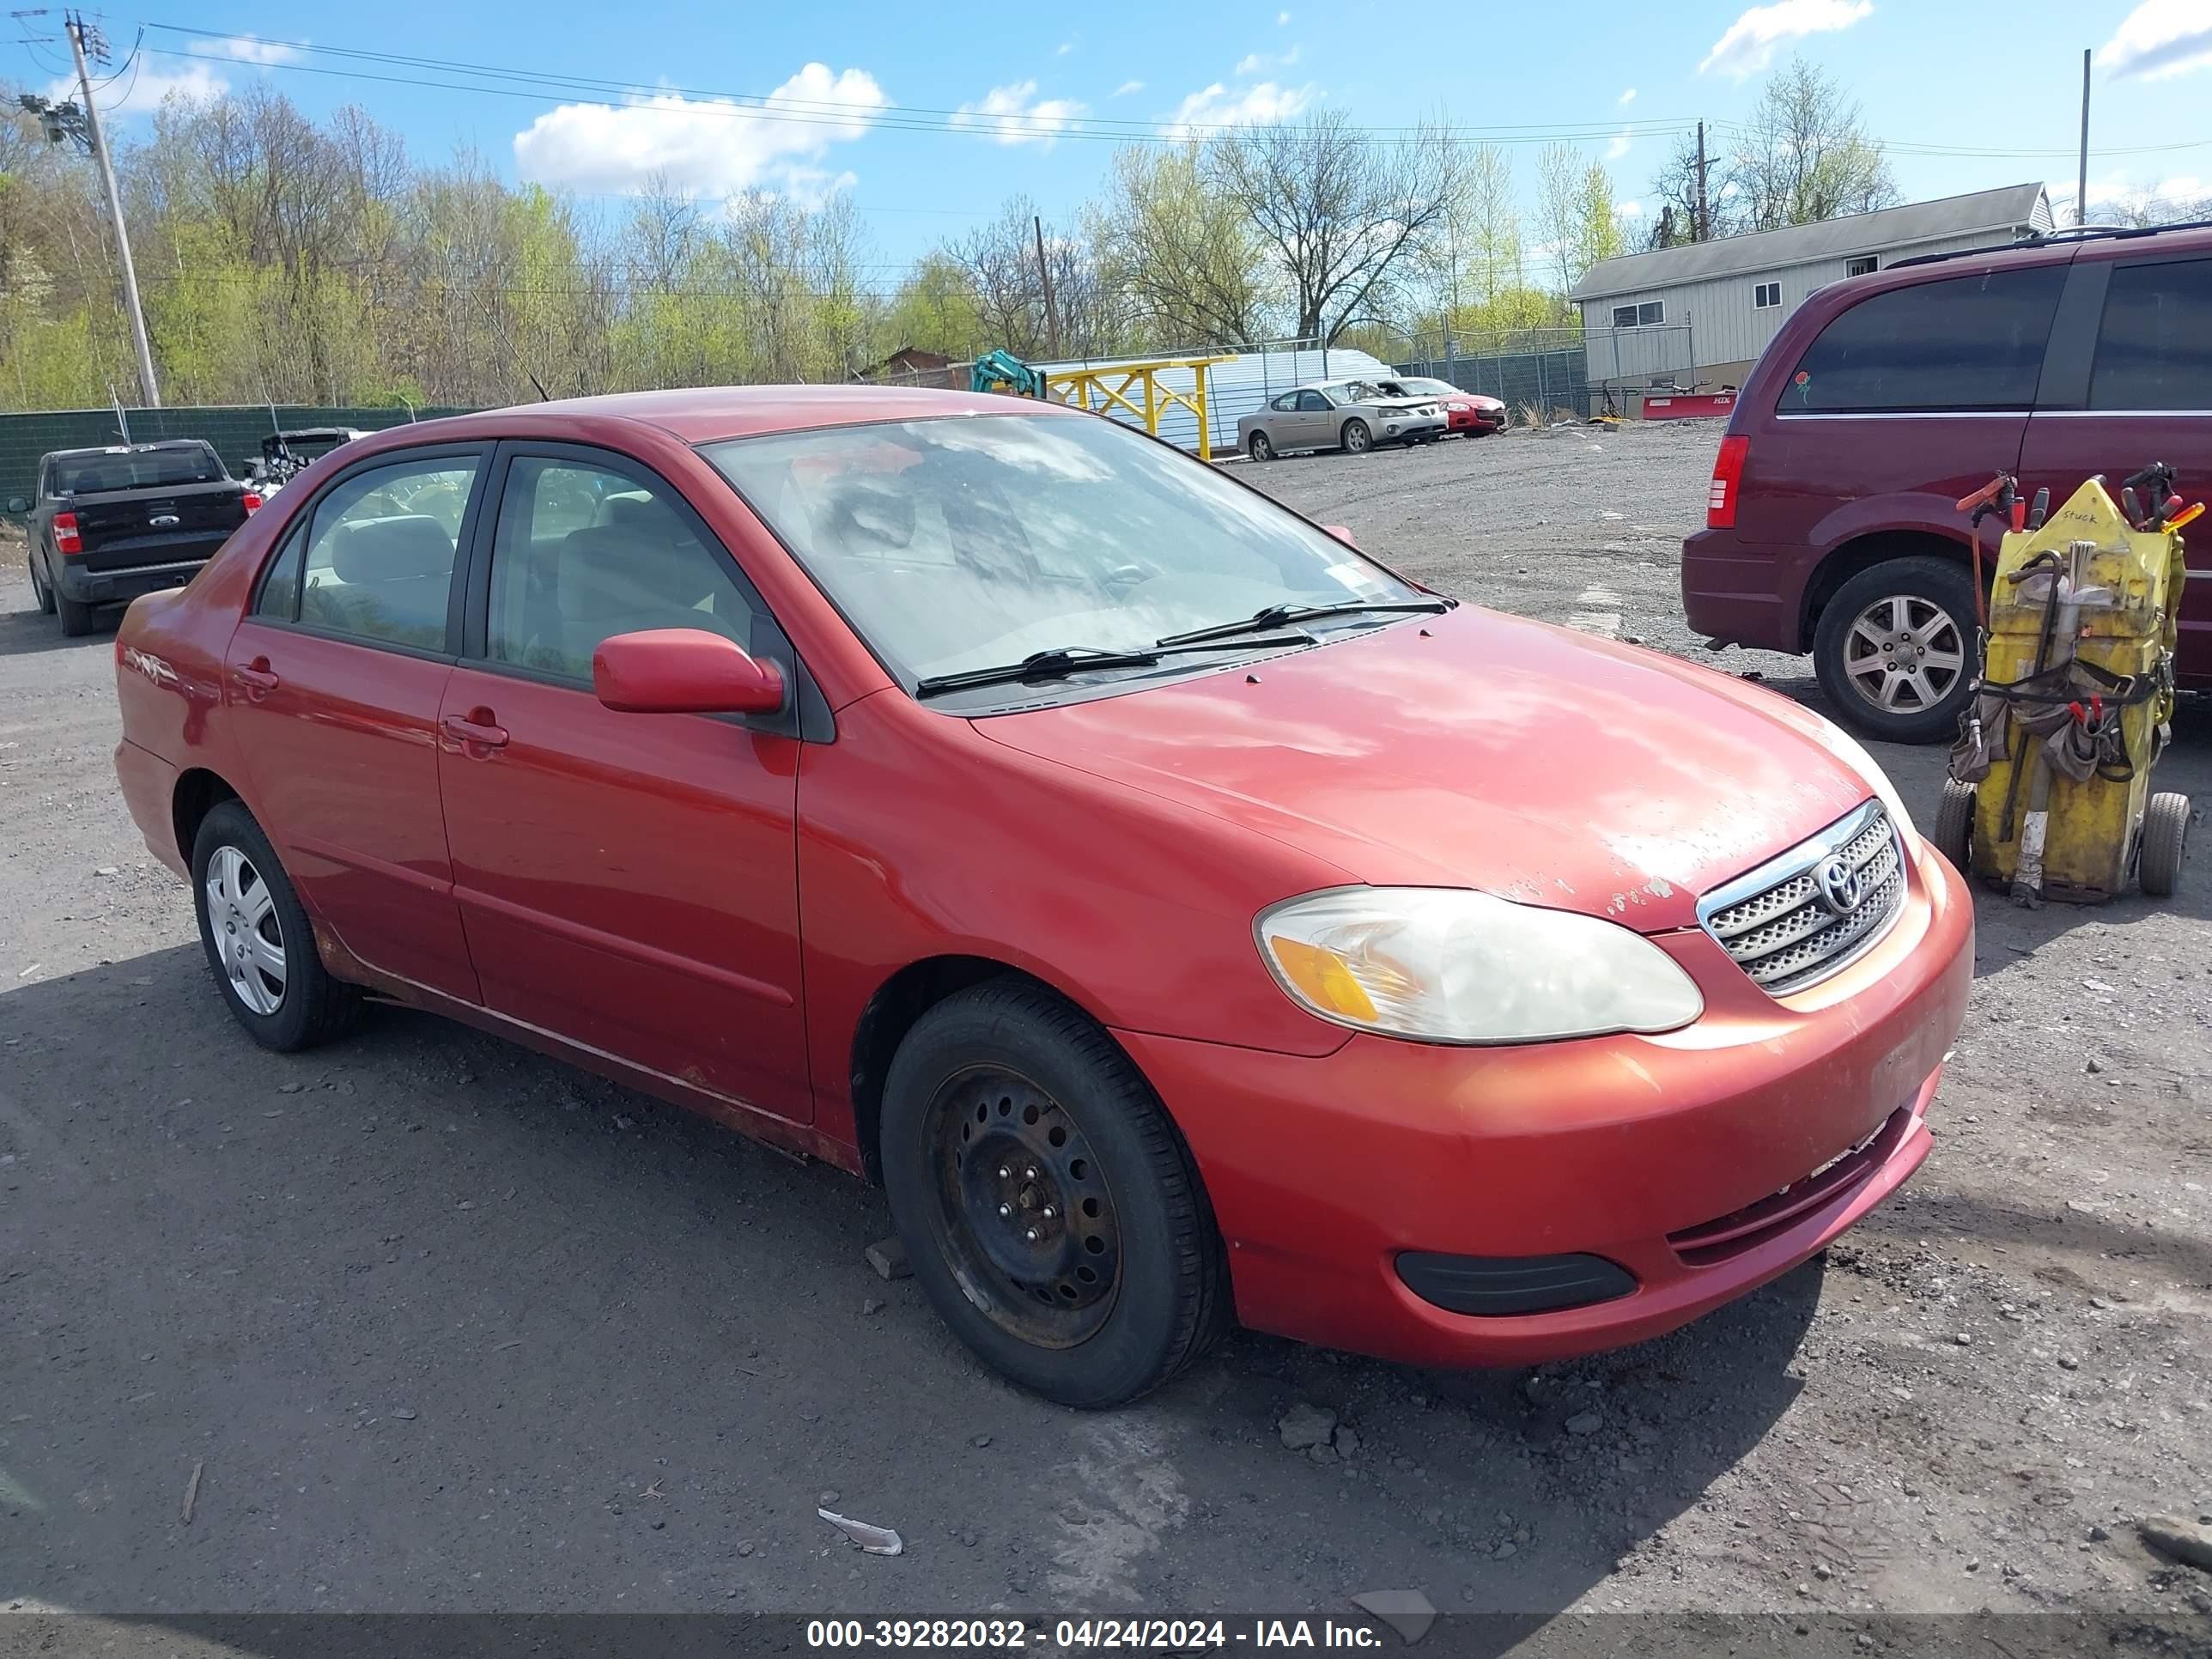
{"type": "Point", "coordinates": [257, 677]}
{"type": "Point", "coordinates": [478, 727]}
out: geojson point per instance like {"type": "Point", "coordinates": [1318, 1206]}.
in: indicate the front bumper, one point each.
{"type": "Point", "coordinates": [121, 587]}
{"type": "Point", "coordinates": [1677, 1158]}
{"type": "Point", "coordinates": [1405, 428]}
{"type": "Point", "coordinates": [1474, 422]}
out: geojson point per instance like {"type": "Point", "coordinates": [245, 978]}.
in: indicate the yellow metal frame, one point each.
{"type": "Point", "coordinates": [1089, 388]}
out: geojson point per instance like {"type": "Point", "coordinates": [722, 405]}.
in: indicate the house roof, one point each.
{"type": "Point", "coordinates": [2010, 209]}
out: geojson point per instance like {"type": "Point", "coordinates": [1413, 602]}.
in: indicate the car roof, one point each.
{"type": "Point", "coordinates": [701, 415]}
{"type": "Point", "coordinates": [127, 449]}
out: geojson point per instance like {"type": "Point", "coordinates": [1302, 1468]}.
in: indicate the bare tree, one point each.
{"type": "Point", "coordinates": [1804, 155]}
{"type": "Point", "coordinates": [1183, 253]}
{"type": "Point", "coordinates": [1339, 214]}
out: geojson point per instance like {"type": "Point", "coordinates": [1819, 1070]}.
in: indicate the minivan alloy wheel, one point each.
{"type": "Point", "coordinates": [1904, 653]}
{"type": "Point", "coordinates": [242, 913]}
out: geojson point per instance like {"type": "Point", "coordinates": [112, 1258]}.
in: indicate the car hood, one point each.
{"type": "Point", "coordinates": [1478, 750]}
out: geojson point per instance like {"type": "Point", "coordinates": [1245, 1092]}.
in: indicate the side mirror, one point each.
{"type": "Point", "coordinates": [684, 670]}
{"type": "Point", "coordinates": [1342, 534]}
{"type": "Point", "coordinates": [17, 505]}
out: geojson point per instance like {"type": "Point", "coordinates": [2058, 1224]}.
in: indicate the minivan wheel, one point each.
{"type": "Point", "coordinates": [1894, 649]}
{"type": "Point", "coordinates": [258, 941]}
{"type": "Point", "coordinates": [1051, 1213]}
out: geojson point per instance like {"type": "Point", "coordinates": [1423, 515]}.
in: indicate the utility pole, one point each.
{"type": "Point", "coordinates": [1051, 316]}
{"type": "Point", "coordinates": [2081, 177]}
{"type": "Point", "coordinates": [152, 392]}
{"type": "Point", "coordinates": [1704, 229]}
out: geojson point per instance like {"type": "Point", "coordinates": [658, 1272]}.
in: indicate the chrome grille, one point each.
{"type": "Point", "coordinates": [1781, 925]}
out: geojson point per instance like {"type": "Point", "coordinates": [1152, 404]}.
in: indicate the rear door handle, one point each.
{"type": "Point", "coordinates": [475, 727]}
{"type": "Point", "coordinates": [256, 676]}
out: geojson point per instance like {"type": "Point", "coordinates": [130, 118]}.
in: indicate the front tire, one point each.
{"type": "Point", "coordinates": [1358, 438]}
{"type": "Point", "coordinates": [1050, 1211]}
{"type": "Point", "coordinates": [259, 944]}
{"type": "Point", "coordinates": [1261, 448]}
{"type": "Point", "coordinates": [1894, 649]}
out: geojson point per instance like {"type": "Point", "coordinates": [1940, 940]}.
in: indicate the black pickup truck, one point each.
{"type": "Point", "coordinates": [111, 523]}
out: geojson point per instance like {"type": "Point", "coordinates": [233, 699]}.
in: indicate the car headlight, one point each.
{"type": "Point", "coordinates": [1448, 965]}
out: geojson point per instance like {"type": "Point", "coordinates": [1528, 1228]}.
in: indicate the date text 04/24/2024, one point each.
{"type": "Point", "coordinates": [1168, 1635]}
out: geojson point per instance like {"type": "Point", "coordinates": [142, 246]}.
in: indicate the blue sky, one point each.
{"type": "Point", "coordinates": [932, 115]}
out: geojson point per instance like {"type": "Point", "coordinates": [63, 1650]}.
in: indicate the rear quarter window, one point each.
{"type": "Point", "coordinates": [2155, 346]}
{"type": "Point", "coordinates": [1964, 343]}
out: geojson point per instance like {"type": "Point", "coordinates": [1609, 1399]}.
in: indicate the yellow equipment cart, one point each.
{"type": "Point", "coordinates": [2048, 794]}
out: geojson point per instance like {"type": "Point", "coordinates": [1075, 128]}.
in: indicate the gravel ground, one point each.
{"type": "Point", "coordinates": [436, 1324]}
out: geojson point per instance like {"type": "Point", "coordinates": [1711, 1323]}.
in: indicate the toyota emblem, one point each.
{"type": "Point", "coordinates": [1839, 885]}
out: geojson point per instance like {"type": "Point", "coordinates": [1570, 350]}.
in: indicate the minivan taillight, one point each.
{"type": "Point", "coordinates": [1728, 473]}
{"type": "Point", "coordinates": [66, 539]}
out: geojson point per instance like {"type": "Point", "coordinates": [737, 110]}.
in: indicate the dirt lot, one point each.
{"type": "Point", "coordinates": [442, 1325]}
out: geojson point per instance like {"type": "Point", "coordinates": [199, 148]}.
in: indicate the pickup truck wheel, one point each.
{"type": "Point", "coordinates": [77, 619]}
{"type": "Point", "coordinates": [1894, 649]}
{"type": "Point", "coordinates": [258, 940]}
{"type": "Point", "coordinates": [40, 592]}
{"type": "Point", "coordinates": [1050, 1209]}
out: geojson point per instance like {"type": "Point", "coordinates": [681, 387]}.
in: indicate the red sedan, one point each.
{"type": "Point", "coordinates": [1466, 414]}
{"type": "Point", "coordinates": [1180, 914]}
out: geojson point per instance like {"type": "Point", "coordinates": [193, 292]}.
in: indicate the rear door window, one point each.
{"type": "Point", "coordinates": [2155, 346]}
{"type": "Point", "coordinates": [1967, 343]}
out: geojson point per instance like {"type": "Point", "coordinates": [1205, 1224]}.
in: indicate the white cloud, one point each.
{"type": "Point", "coordinates": [1629, 210]}
{"type": "Point", "coordinates": [142, 94]}
{"type": "Point", "coordinates": [1750, 42]}
{"type": "Point", "coordinates": [1128, 87]}
{"type": "Point", "coordinates": [1619, 147]}
{"type": "Point", "coordinates": [1259, 63]}
{"type": "Point", "coordinates": [248, 49]}
{"type": "Point", "coordinates": [708, 146]}
{"type": "Point", "coordinates": [1282, 20]}
{"type": "Point", "coordinates": [2161, 38]}
{"type": "Point", "coordinates": [1253, 106]}
{"type": "Point", "coordinates": [1627, 98]}
{"type": "Point", "coordinates": [2115, 190]}
{"type": "Point", "coordinates": [1008, 114]}
{"type": "Point", "coordinates": [1064, 48]}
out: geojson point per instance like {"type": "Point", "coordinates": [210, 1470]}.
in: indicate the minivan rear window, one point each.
{"type": "Point", "coordinates": [2155, 350]}
{"type": "Point", "coordinates": [1964, 342]}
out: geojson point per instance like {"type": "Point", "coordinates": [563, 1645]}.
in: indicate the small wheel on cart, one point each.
{"type": "Point", "coordinates": [2165, 833]}
{"type": "Point", "coordinates": [1955, 824]}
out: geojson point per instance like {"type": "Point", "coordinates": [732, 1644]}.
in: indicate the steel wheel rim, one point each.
{"type": "Point", "coordinates": [1904, 654]}
{"type": "Point", "coordinates": [249, 940]}
{"type": "Point", "coordinates": [1021, 1208]}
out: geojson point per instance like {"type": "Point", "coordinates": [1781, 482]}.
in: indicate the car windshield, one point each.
{"type": "Point", "coordinates": [89, 474]}
{"type": "Point", "coordinates": [966, 542]}
{"type": "Point", "coordinates": [1429, 388]}
{"type": "Point", "coordinates": [1351, 392]}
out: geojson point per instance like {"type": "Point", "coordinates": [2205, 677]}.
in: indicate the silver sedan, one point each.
{"type": "Point", "coordinates": [1353, 415]}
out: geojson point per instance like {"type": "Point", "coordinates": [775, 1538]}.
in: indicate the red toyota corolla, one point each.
{"type": "Point", "coordinates": [1176, 910]}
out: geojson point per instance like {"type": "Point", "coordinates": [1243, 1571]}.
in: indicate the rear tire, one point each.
{"type": "Point", "coordinates": [2165, 839]}
{"type": "Point", "coordinates": [1955, 825]}
{"type": "Point", "coordinates": [77, 620]}
{"type": "Point", "coordinates": [258, 941]}
{"type": "Point", "coordinates": [1051, 1213]}
{"type": "Point", "coordinates": [40, 592]}
{"type": "Point", "coordinates": [1903, 630]}
{"type": "Point", "coordinates": [1261, 448]}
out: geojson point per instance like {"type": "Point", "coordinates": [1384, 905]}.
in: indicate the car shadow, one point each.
{"type": "Point", "coordinates": [425, 1321]}
{"type": "Point", "coordinates": [30, 631]}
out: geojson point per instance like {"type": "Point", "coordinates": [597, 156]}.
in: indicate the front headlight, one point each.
{"type": "Point", "coordinates": [1446, 965]}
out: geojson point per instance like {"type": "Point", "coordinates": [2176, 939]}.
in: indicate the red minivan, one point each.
{"type": "Point", "coordinates": [1832, 526]}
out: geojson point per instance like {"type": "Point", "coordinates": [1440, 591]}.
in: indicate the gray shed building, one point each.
{"type": "Point", "coordinates": [1700, 315]}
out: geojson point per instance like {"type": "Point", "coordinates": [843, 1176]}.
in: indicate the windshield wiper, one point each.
{"type": "Point", "coordinates": [1064, 660]}
{"type": "Point", "coordinates": [1275, 615]}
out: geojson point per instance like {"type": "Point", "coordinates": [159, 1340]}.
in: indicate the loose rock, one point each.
{"type": "Point", "coordinates": [1305, 1425]}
